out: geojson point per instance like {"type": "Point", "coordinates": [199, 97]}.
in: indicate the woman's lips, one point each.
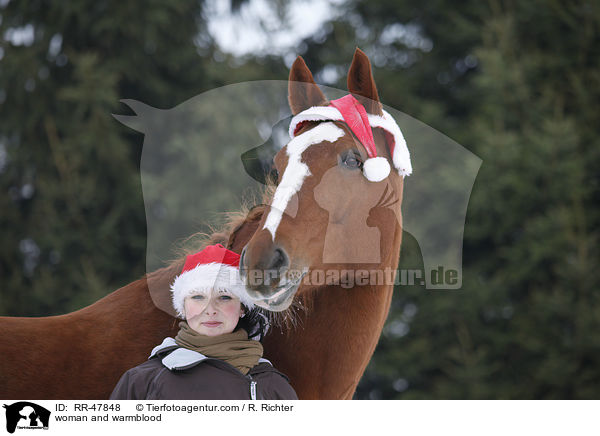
{"type": "Point", "coordinates": [211, 323]}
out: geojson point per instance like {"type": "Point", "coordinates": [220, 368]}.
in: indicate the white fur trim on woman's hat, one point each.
{"type": "Point", "coordinates": [215, 267]}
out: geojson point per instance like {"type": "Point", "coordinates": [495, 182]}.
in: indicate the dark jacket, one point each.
{"type": "Point", "coordinates": [175, 373]}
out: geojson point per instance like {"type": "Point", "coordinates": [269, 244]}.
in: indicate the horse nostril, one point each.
{"type": "Point", "coordinates": [279, 260]}
{"type": "Point", "coordinates": [242, 267]}
{"type": "Point", "coordinates": [262, 265]}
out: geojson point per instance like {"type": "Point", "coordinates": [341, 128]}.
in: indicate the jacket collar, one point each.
{"type": "Point", "coordinates": [181, 358]}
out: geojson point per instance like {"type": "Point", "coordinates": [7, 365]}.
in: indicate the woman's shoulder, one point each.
{"type": "Point", "coordinates": [154, 362]}
{"type": "Point", "coordinates": [145, 369]}
{"type": "Point", "coordinates": [266, 368]}
{"type": "Point", "coordinates": [134, 383]}
{"type": "Point", "coordinates": [274, 384]}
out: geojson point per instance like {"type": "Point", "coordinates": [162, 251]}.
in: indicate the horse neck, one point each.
{"type": "Point", "coordinates": [328, 350]}
{"type": "Point", "coordinates": [134, 309]}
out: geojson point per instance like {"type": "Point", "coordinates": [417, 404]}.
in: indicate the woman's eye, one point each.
{"type": "Point", "coordinates": [198, 297]}
{"type": "Point", "coordinates": [225, 297]}
{"type": "Point", "coordinates": [351, 161]}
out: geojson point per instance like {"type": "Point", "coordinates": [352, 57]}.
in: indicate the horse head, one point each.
{"type": "Point", "coordinates": [336, 208]}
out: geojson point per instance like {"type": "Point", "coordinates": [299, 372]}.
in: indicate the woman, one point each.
{"type": "Point", "coordinates": [213, 356]}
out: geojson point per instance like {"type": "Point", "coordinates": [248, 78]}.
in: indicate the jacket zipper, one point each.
{"type": "Point", "coordinates": [252, 388]}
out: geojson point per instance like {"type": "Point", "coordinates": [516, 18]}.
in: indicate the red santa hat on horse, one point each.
{"type": "Point", "coordinates": [349, 110]}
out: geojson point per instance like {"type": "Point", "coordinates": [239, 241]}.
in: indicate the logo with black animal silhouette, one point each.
{"type": "Point", "coordinates": [26, 415]}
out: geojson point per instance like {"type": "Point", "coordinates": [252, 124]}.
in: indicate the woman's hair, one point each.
{"type": "Point", "coordinates": [255, 323]}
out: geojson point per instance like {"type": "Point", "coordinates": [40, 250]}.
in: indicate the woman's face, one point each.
{"type": "Point", "coordinates": [212, 314]}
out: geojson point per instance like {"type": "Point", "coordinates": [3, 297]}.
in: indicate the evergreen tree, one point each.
{"type": "Point", "coordinates": [73, 225]}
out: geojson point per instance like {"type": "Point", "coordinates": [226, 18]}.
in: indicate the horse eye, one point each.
{"type": "Point", "coordinates": [350, 160]}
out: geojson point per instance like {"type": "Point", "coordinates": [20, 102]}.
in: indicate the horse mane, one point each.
{"type": "Point", "coordinates": [251, 209]}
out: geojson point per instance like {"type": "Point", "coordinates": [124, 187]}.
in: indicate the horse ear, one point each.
{"type": "Point", "coordinates": [361, 83]}
{"type": "Point", "coordinates": [303, 92]}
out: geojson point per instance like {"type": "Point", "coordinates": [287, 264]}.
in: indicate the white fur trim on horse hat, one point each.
{"type": "Point", "coordinates": [396, 141]}
{"type": "Point", "coordinates": [401, 155]}
{"type": "Point", "coordinates": [376, 169]}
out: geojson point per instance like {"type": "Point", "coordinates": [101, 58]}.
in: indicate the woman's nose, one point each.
{"type": "Point", "coordinates": [210, 307]}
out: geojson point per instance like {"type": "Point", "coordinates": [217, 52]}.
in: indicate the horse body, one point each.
{"type": "Point", "coordinates": [80, 355]}
{"type": "Point", "coordinates": [330, 339]}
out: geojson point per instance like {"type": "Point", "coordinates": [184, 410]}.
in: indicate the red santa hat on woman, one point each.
{"type": "Point", "coordinates": [216, 268]}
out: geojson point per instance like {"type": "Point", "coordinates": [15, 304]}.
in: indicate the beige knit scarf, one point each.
{"type": "Point", "coordinates": [234, 348]}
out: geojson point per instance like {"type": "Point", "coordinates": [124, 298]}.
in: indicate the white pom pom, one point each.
{"type": "Point", "coordinates": [376, 169]}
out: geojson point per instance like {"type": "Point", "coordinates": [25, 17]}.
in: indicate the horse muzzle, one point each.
{"type": "Point", "coordinates": [265, 270]}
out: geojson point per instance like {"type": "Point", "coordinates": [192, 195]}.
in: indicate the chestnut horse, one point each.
{"type": "Point", "coordinates": [327, 331]}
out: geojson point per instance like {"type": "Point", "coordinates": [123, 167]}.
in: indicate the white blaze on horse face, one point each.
{"type": "Point", "coordinates": [296, 170]}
